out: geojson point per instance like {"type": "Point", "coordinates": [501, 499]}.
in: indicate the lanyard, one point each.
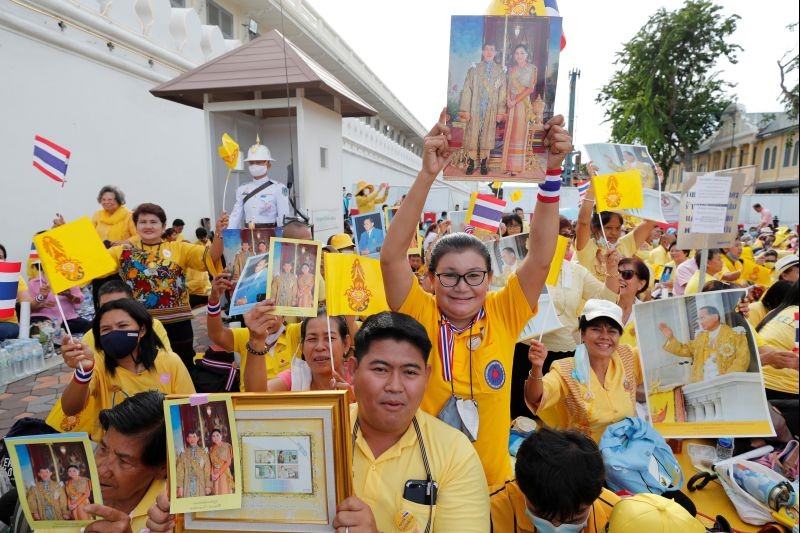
{"type": "Point", "coordinates": [425, 462]}
{"type": "Point", "coordinates": [447, 333]}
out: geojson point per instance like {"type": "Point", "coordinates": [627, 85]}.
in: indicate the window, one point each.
{"type": "Point", "coordinates": [774, 155]}
{"type": "Point", "coordinates": [796, 153]}
{"type": "Point", "coordinates": [217, 16]}
{"type": "Point", "coordinates": [323, 157]}
{"type": "Point", "coordinates": [787, 152]}
{"type": "Point", "coordinates": [765, 164]}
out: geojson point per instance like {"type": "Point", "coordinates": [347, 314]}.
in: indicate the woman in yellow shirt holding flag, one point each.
{"type": "Point", "coordinates": [474, 331]}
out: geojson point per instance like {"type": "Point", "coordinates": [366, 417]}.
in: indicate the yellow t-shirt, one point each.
{"type": "Point", "coordinates": [507, 312]}
{"type": "Point", "coordinates": [197, 280]}
{"type": "Point", "coordinates": [168, 375]}
{"type": "Point", "coordinates": [587, 257]}
{"type": "Point", "coordinates": [279, 358]}
{"type": "Point", "coordinates": [157, 275]}
{"type": "Point", "coordinates": [756, 313]}
{"type": "Point", "coordinates": [608, 403]}
{"type": "Point", "coordinates": [693, 285]}
{"type": "Point", "coordinates": [462, 503]}
{"type": "Point", "coordinates": [22, 289]}
{"type": "Point", "coordinates": [780, 334]}
{"type": "Point", "coordinates": [658, 257]}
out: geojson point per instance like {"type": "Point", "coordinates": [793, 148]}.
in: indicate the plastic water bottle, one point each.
{"type": "Point", "coordinates": [4, 368]}
{"type": "Point", "coordinates": [38, 355]}
{"type": "Point", "coordinates": [19, 360]}
{"type": "Point", "coordinates": [724, 448]}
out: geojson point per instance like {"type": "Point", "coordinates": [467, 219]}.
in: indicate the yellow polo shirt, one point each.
{"type": "Point", "coordinates": [169, 375]}
{"type": "Point", "coordinates": [462, 503]}
{"type": "Point", "coordinates": [507, 312]}
{"type": "Point", "coordinates": [138, 515]}
{"type": "Point", "coordinates": [279, 358]}
{"type": "Point", "coordinates": [693, 285]}
{"type": "Point", "coordinates": [587, 256]}
{"type": "Point", "coordinates": [658, 257]}
{"type": "Point", "coordinates": [780, 333]}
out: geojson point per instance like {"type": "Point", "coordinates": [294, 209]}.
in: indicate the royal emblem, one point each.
{"type": "Point", "coordinates": [358, 294]}
{"type": "Point", "coordinates": [613, 197]}
{"type": "Point", "coordinates": [69, 268]}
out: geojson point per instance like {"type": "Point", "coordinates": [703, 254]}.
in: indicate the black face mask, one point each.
{"type": "Point", "coordinates": [119, 344]}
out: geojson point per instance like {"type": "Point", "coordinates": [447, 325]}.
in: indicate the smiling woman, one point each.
{"type": "Point", "coordinates": [474, 331]}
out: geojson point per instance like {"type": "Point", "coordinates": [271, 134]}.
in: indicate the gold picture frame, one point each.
{"type": "Point", "coordinates": [296, 462]}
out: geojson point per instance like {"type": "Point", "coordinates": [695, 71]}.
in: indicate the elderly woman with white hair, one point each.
{"type": "Point", "coordinates": [114, 222]}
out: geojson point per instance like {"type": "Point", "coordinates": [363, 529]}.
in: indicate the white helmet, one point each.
{"type": "Point", "coordinates": [258, 152]}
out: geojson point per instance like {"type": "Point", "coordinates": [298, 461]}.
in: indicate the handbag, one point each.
{"type": "Point", "coordinates": [766, 483]}
{"type": "Point", "coordinates": [637, 458]}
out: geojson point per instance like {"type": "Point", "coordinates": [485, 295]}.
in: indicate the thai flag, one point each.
{"type": "Point", "coordinates": [551, 6]}
{"type": "Point", "coordinates": [9, 280]}
{"type": "Point", "coordinates": [796, 348]}
{"type": "Point", "coordinates": [34, 252]}
{"type": "Point", "coordinates": [485, 212]}
{"type": "Point", "coordinates": [470, 230]}
{"type": "Point", "coordinates": [583, 186]}
{"type": "Point", "coordinates": [50, 158]}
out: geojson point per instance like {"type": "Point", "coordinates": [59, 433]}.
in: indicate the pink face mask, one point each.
{"type": "Point", "coordinates": [568, 255]}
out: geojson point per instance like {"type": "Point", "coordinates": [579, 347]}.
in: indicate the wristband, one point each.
{"type": "Point", "coordinates": [214, 309]}
{"type": "Point", "coordinates": [549, 191]}
{"type": "Point", "coordinates": [555, 171]}
{"type": "Point", "coordinates": [40, 298]}
{"type": "Point", "coordinates": [82, 377]}
{"type": "Point", "coordinates": [254, 352]}
{"type": "Point", "coordinates": [531, 376]}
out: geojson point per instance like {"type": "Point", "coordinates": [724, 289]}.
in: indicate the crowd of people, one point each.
{"type": "Point", "coordinates": [435, 382]}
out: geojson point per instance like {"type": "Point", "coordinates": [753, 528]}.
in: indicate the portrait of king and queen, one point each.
{"type": "Point", "coordinates": [501, 91]}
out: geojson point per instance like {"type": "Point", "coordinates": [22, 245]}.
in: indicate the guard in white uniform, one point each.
{"type": "Point", "coordinates": [262, 202]}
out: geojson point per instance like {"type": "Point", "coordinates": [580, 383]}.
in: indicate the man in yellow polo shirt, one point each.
{"type": "Point", "coordinates": [131, 464]}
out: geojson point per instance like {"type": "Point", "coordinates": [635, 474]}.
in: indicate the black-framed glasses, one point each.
{"type": "Point", "coordinates": [627, 275]}
{"type": "Point", "coordinates": [451, 279]}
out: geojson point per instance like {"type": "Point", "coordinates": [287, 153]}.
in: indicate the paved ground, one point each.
{"type": "Point", "coordinates": [35, 395]}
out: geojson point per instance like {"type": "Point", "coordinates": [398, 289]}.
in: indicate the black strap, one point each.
{"type": "Point", "coordinates": [256, 191]}
{"type": "Point", "coordinates": [427, 465]}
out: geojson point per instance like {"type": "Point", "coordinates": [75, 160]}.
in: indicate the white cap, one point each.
{"type": "Point", "coordinates": [258, 152]}
{"type": "Point", "coordinates": [595, 308]}
{"type": "Point", "coordinates": [785, 263]}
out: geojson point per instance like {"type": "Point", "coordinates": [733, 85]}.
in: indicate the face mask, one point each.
{"type": "Point", "coordinates": [770, 265]}
{"type": "Point", "coordinates": [656, 242]}
{"type": "Point", "coordinates": [257, 170]}
{"type": "Point", "coordinates": [568, 255]}
{"type": "Point", "coordinates": [754, 234]}
{"type": "Point", "coordinates": [544, 526]}
{"type": "Point", "coordinates": [119, 343]}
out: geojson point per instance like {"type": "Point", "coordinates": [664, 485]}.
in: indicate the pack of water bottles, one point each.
{"type": "Point", "coordinates": [20, 358]}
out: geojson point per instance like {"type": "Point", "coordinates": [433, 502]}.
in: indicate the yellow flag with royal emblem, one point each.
{"type": "Point", "coordinates": [73, 254]}
{"type": "Point", "coordinates": [353, 285]}
{"type": "Point", "coordinates": [558, 260]}
{"type": "Point", "coordinates": [229, 151]}
{"type": "Point", "coordinates": [517, 7]}
{"type": "Point", "coordinates": [755, 273]}
{"type": "Point", "coordinates": [615, 192]}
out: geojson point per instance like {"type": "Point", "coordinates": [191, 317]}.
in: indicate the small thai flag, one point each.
{"type": "Point", "coordinates": [796, 348]}
{"type": "Point", "coordinates": [34, 252]}
{"type": "Point", "coordinates": [50, 158]}
{"type": "Point", "coordinates": [470, 230]}
{"type": "Point", "coordinates": [9, 280]}
{"type": "Point", "coordinates": [485, 212]}
{"type": "Point", "coordinates": [582, 188]}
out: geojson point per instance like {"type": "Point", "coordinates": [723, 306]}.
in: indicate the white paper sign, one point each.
{"type": "Point", "coordinates": [708, 218]}
{"type": "Point", "coordinates": [545, 321]}
{"type": "Point", "coordinates": [711, 189]}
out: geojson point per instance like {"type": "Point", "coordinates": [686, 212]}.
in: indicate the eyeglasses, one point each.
{"type": "Point", "coordinates": [451, 279]}
{"type": "Point", "coordinates": [627, 275]}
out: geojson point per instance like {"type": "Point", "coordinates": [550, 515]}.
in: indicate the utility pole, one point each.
{"type": "Point", "coordinates": [569, 169]}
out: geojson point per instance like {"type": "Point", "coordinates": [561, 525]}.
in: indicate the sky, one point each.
{"type": "Point", "coordinates": [405, 43]}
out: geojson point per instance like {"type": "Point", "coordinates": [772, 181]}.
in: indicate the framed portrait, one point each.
{"type": "Point", "coordinates": [203, 454]}
{"type": "Point", "coordinates": [252, 285]}
{"type": "Point", "coordinates": [241, 244]}
{"type": "Point", "coordinates": [369, 234]}
{"type": "Point", "coordinates": [494, 61]}
{"type": "Point", "coordinates": [296, 462]}
{"type": "Point", "coordinates": [700, 365]}
{"type": "Point", "coordinates": [506, 254]}
{"type": "Point", "coordinates": [55, 476]}
{"type": "Point", "coordinates": [611, 158]}
{"type": "Point", "coordinates": [293, 274]}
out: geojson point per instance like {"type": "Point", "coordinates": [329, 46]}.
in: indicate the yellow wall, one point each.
{"type": "Point", "coordinates": [776, 171]}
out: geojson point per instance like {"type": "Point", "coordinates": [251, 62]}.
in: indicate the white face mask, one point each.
{"type": "Point", "coordinates": [257, 170]}
{"type": "Point", "coordinates": [544, 526]}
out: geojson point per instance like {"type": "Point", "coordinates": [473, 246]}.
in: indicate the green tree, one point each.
{"type": "Point", "coordinates": [666, 93]}
{"type": "Point", "coordinates": [788, 64]}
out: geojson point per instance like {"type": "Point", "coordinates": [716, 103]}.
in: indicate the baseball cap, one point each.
{"type": "Point", "coordinates": [784, 263]}
{"type": "Point", "coordinates": [341, 241]}
{"type": "Point", "coordinates": [651, 513]}
{"type": "Point", "coordinates": [595, 308]}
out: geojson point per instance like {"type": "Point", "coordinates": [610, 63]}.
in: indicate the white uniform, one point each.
{"type": "Point", "coordinates": [269, 206]}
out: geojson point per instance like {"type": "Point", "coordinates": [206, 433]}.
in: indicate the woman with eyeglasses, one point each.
{"type": "Point", "coordinates": [128, 358]}
{"type": "Point", "coordinates": [596, 387]}
{"type": "Point", "coordinates": [474, 331]}
{"type": "Point", "coordinates": [634, 280]}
